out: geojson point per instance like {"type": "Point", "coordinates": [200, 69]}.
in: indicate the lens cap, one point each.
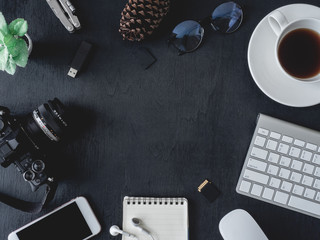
{"type": "Point", "coordinates": [227, 17]}
{"type": "Point", "coordinates": [187, 36]}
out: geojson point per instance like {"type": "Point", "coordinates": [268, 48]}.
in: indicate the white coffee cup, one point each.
{"type": "Point", "coordinates": [281, 27]}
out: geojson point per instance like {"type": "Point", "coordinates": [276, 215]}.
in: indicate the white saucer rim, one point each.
{"type": "Point", "coordinates": [250, 66]}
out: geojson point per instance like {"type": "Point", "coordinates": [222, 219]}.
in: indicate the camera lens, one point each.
{"type": "Point", "coordinates": [47, 123]}
{"type": "Point", "coordinates": [38, 166]}
{"type": "Point", "coordinates": [28, 175]}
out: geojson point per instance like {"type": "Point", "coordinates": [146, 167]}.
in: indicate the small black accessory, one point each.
{"type": "Point", "coordinates": [22, 143]}
{"type": "Point", "coordinates": [79, 58]}
{"type": "Point", "coordinates": [208, 190]}
{"type": "Point", "coordinates": [144, 57]}
{"type": "Point", "coordinates": [187, 36]}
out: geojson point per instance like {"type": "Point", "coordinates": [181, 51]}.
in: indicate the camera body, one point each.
{"type": "Point", "coordinates": [24, 141]}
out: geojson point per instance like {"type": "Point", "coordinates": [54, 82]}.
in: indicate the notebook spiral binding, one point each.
{"type": "Point", "coordinates": [154, 201]}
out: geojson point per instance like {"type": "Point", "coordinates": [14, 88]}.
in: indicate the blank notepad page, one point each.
{"type": "Point", "coordinates": [164, 218]}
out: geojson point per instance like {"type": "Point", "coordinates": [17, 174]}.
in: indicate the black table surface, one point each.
{"type": "Point", "coordinates": [158, 132]}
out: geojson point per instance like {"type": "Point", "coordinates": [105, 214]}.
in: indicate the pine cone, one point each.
{"type": "Point", "coordinates": [140, 18]}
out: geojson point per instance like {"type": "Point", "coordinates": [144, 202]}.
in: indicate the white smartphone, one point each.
{"type": "Point", "coordinates": [73, 220]}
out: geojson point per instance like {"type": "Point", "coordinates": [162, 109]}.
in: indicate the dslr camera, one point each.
{"type": "Point", "coordinates": [24, 141]}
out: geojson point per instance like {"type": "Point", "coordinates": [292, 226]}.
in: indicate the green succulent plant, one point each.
{"type": "Point", "coordinates": [13, 48]}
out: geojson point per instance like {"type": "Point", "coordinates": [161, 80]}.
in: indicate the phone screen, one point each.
{"type": "Point", "coordinates": [66, 223]}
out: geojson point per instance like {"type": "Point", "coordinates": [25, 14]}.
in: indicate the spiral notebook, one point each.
{"type": "Point", "coordinates": [164, 218]}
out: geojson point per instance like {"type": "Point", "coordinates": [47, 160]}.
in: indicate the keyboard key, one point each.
{"type": "Point", "coordinates": [273, 157]}
{"type": "Point", "coordinates": [306, 180]}
{"type": "Point", "coordinates": [296, 177]}
{"type": "Point", "coordinates": [275, 135]}
{"type": "Point", "coordinates": [287, 139]}
{"type": "Point", "coordinates": [256, 190]}
{"type": "Point", "coordinates": [272, 145]}
{"type": "Point", "coordinates": [309, 193]}
{"type": "Point", "coordinates": [285, 161]}
{"type": "Point", "coordinates": [259, 153]}
{"type": "Point", "coordinates": [257, 177]}
{"type": "Point", "coordinates": [299, 143]}
{"type": "Point", "coordinates": [257, 165]}
{"type": "Point", "coordinates": [259, 141]}
{"type": "Point", "coordinates": [296, 165]}
{"type": "Point", "coordinates": [297, 189]}
{"type": "Point", "coordinates": [273, 170]}
{"type": "Point", "coordinates": [275, 182]}
{"type": "Point", "coordinates": [318, 197]}
{"type": "Point", "coordinates": [316, 184]}
{"type": "Point", "coordinates": [311, 147]}
{"type": "Point", "coordinates": [286, 186]}
{"type": "Point", "coordinates": [308, 168]}
{"type": "Point", "coordinates": [268, 193]}
{"type": "Point", "coordinates": [263, 131]}
{"type": "Point", "coordinates": [294, 152]}
{"type": "Point", "coordinates": [281, 197]}
{"type": "Point", "coordinates": [305, 205]}
{"type": "Point", "coordinates": [316, 159]}
{"type": "Point", "coordinates": [305, 155]}
{"type": "Point", "coordinates": [284, 173]}
{"type": "Point", "coordinates": [283, 148]}
{"type": "Point", "coordinates": [245, 186]}
{"type": "Point", "coordinates": [317, 172]}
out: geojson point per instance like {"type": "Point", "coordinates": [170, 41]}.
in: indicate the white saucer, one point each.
{"type": "Point", "coordinates": [264, 69]}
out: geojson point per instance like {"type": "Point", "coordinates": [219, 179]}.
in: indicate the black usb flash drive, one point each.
{"type": "Point", "coordinates": [79, 58]}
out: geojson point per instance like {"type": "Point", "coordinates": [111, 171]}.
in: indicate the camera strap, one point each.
{"type": "Point", "coordinates": [31, 207]}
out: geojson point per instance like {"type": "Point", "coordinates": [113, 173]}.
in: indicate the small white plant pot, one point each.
{"type": "Point", "coordinates": [29, 43]}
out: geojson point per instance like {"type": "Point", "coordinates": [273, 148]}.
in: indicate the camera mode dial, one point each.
{"type": "Point", "coordinates": [29, 175]}
{"type": "Point", "coordinates": [38, 166]}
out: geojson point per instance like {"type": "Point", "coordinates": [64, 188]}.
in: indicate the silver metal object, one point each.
{"type": "Point", "coordinates": [64, 10]}
{"type": "Point", "coordinates": [44, 127]}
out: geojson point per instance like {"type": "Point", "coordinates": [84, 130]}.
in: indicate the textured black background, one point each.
{"type": "Point", "coordinates": [158, 132]}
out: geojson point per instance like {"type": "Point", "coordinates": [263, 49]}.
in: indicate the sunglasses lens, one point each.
{"type": "Point", "coordinates": [187, 36]}
{"type": "Point", "coordinates": [227, 17]}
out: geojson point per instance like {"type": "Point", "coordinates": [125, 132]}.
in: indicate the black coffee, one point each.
{"type": "Point", "coordinates": [299, 53]}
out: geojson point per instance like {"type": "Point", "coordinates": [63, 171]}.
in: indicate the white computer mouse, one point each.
{"type": "Point", "coordinates": [239, 225]}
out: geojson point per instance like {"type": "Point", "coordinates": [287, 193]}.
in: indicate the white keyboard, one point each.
{"type": "Point", "coordinates": [282, 166]}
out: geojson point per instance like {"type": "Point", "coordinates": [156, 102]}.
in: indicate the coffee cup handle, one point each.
{"type": "Point", "coordinates": [277, 21]}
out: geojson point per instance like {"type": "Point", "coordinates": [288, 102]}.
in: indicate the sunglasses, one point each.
{"type": "Point", "coordinates": [187, 36]}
